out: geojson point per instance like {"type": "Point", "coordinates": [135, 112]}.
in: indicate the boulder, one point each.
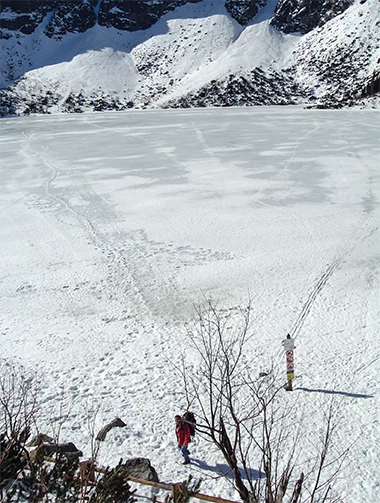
{"type": "Point", "coordinates": [140, 468]}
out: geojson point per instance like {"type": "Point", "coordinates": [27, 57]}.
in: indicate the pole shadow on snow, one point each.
{"type": "Point", "coordinates": [331, 392]}
{"type": "Point", "coordinates": [225, 471]}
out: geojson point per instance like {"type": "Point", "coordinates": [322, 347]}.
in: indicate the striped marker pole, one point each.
{"type": "Point", "coordinates": [289, 347]}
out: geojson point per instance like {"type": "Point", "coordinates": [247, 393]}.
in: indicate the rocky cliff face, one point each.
{"type": "Point", "coordinates": [25, 17]}
{"type": "Point", "coordinates": [77, 16]}
{"type": "Point", "coordinates": [302, 16]}
{"type": "Point", "coordinates": [132, 16]}
{"type": "Point", "coordinates": [243, 11]}
{"type": "Point", "coordinates": [70, 17]}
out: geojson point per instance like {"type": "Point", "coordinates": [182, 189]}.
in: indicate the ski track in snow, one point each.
{"type": "Point", "coordinates": [114, 225]}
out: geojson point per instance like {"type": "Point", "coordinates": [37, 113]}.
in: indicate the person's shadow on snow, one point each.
{"type": "Point", "coordinates": [224, 470]}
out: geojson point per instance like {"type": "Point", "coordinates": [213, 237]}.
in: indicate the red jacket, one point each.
{"type": "Point", "coordinates": [183, 434]}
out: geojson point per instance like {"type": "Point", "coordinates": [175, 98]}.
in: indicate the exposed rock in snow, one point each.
{"type": "Point", "coordinates": [255, 88]}
{"type": "Point", "coordinates": [133, 16]}
{"type": "Point", "coordinates": [69, 17]}
{"type": "Point", "coordinates": [141, 468]}
{"type": "Point", "coordinates": [304, 15]}
{"type": "Point", "coordinates": [243, 11]}
{"type": "Point", "coordinates": [24, 17]}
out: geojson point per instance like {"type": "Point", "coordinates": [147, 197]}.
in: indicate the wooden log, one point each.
{"type": "Point", "coordinates": [160, 485]}
{"type": "Point", "coordinates": [117, 422]}
{"type": "Point", "coordinates": [167, 487]}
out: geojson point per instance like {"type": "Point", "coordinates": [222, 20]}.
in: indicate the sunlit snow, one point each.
{"type": "Point", "coordinates": [113, 226]}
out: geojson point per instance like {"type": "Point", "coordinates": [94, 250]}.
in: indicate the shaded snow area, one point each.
{"type": "Point", "coordinates": [113, 226]}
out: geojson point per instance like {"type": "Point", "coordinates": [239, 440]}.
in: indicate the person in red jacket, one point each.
{"type": "Point", "coordinates": [182, 431]}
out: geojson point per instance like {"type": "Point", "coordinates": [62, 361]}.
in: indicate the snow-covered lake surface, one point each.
{"type": "Point", "coordinates": [113, 226]}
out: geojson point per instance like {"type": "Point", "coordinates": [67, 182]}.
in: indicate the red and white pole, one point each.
{"type": "Point", "coordinates": [289, 347]}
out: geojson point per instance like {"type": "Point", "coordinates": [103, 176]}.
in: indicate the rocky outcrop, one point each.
{"type": "Point", "coordinates": [77, 16]}
{"type": "Point", "coordinates": [71, 17]}
{"type": "Point", "coordinates": [302, 16]}
{"type": "Point", "coordinates": [254, 88]}
{"type": "Point", "coordinates": [243, 11]}
{"type": "Point", "coordinates": [23, 16]}
{"type": "Point", "coordinates": [372, 86]}
{"type": "Point", "coordinates": [132, 16]}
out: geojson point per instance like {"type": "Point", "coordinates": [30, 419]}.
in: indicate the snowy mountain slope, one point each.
{"type": "Point", "coordinates": [160, 54]}
{"type": "Point", "coordinates": [191, 44]}
{"type": "Point", "coordinates": [259, 46]}
{"type": "Point", "coordinates": [330, 63]}
{"type": "Point", "coordinates": [191, 51]}
{"type": "Point", "coordinates": [51, 24]}
{"type": "Point", "coordinates": [343, 53]}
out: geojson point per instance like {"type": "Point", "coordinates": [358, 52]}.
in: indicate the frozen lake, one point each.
{"type": "Point", "coordinates": [113, 226]}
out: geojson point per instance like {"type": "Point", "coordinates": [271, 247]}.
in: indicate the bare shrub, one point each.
{"type": "Point", "coordinates": [248, 418]}
{"type": "Point", "coordinates": [19, 390]}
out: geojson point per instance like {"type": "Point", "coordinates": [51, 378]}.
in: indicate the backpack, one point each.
{"type": "Point", "coordinates": [189, 418]}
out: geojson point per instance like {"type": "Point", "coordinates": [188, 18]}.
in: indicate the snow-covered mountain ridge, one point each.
{"type": "Point", "coordinates": [73, 56]}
